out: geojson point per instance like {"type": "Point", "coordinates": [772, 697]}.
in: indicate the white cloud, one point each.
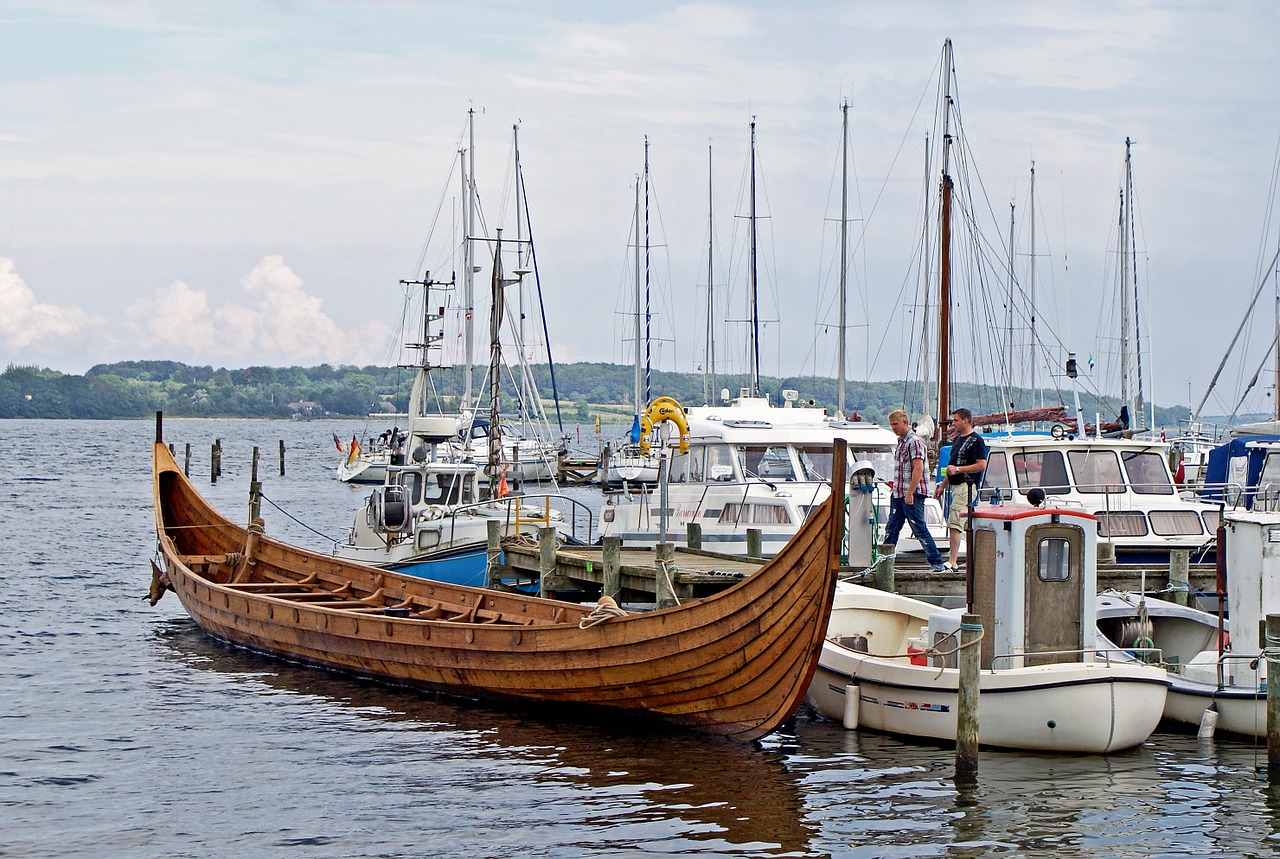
{"type": "Point", "coordinates": [27, 323]}
{"type": "Point", "coordinates": [279, 324]}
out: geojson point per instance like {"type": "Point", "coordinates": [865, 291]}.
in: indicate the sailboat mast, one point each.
{"type": "Point", "coordinates": [1031, 345]}
{"type": "Point", "coordinates": [1008, 314]}
{"type": "Point", "coordinates": [468, 280]}
{"type": "Point", "coordinates": [944, 279]}
{"type": "Point", "coordinates": [844, 253]}
{"type": "Point", "coordinates": [710, 372]}
{"type": "Point", "coordinates": [525, 358]}
{"type": "Point", "coordinates": [638, 391]}
{"type": "Point", "coordinates": [754, 345]}
{"type": "Point", "coordinates": [1125, 362]}
{"type": "Point", "coordinates": [495, 464]}
{"type": "Point", "coordinates": [648, 313]}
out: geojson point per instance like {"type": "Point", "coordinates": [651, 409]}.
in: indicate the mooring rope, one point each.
{"type": "Point", "coordinates": [296, 519]}
{"type": "Point", "coordinates": [606, 609]}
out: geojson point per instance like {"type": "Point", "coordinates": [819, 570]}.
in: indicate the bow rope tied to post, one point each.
{"type": "Point", "coordinates": [606, 609]}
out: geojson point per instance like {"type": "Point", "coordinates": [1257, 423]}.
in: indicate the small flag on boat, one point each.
{"type": "Point", "coordinates": [1090, 363]}
{"type": "Point", "coordinates": [355, 450]}
{"type": "Point", "coordinates": [337, 441]}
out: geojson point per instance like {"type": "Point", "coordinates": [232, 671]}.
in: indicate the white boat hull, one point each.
{"type": "Point", "coordinates": [1076, 707]}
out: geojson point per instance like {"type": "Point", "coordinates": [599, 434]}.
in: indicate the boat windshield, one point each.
{"type": "Point", "coordinates": [1044, 469]}
{"type": "Point", "coordinates": [772, 462]}
{"type": "Point", "coordinates": [1148, 472]}
{"type": "Point", "coordinates": [1096, 471]}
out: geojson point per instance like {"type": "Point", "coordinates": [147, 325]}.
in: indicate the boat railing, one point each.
{"type": "Point", "coordinates": [1150, 655]}
{"type": "Point", "coordinates": [1252, 661]}
{"type": "Point", "coordinates": [521, 510]}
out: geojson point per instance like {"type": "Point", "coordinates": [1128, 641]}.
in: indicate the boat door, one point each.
{"type": "Point", "coordinates": [1053, 584]}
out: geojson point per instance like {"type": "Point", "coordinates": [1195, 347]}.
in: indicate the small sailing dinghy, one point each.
{"type": "Point", "coordinates": [890, 663]}
{"type": "Point", "coordinates": [736, 663]}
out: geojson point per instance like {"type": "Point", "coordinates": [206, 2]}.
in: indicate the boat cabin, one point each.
{"type": "Point", "coordinates": [1034, 582]}
{"type": "Point", "coordinates": [1126, 484]}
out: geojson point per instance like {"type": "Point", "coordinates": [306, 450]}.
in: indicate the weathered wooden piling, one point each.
{"type": "Point", "coordinates": [612, 585]}
{"type": "Point", "coordinates": [663, 568]}
{"type": "Point", "coordinates": [693, 535]}
{"type": "Point", "coordinates": [882, 573]}
{"type": "Point", "coordinates": [1179, 575]}
{"type": "Point", "coordinates": [255, 489]}
{"type": "Point", "coordinates": [493, 551]}
{"type": "Point", "coordinates": [282, 457]}
{"type": "Point", "coordinates": [546, 558]}
{"type": "Point", "coordinates": [1269, 647]}
{"type": "Point", "coordinates": [967, 699]}
{"type": "Point", "coordinates": [755, 543]}
{"type": "Point", "coordinates": [213, 462]}
{"type": "Point", "coordinates": [186, 461]}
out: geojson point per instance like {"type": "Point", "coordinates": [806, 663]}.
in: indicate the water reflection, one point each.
{"type": "Point", "coordinates": [686, 792]}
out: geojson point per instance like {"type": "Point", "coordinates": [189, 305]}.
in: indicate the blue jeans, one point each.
{"type": "Point", "coordinates": [913, 514]}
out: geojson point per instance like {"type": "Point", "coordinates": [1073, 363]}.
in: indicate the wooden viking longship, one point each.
{"type": "Point", "coordinates": [736, 663]}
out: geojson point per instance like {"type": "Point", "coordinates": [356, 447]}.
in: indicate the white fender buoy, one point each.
{"type": "Point", "coordinates": [852, 693]}
{"type": "Point", "coordinates": [1208, 722]}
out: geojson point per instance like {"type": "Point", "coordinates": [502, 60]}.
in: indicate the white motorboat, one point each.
{"type": "Point", "coordinates": [754, 465]}
{"type": "Point", "coordinates": [1046, 681]}
{"type": "Point", "coordinates": [1125, 483]}
{"type": "Point", "coordinates": [1213, 662]}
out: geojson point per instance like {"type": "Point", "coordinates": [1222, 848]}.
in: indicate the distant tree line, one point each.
{"type": "Point", "coordinates": [133, 389]}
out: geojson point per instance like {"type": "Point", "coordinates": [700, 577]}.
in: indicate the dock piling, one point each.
{"type": "Point", "coordinates": [282, 457]}
{"type": "Point", "coordinates": [612, 586]}
{"type": "Point", "coordinates": [493, 551]}
{"type": "Point", "coordinates": [1179, 575]}
{"type": "Point", "coordinates": [693, 535]}
{"type": "Point", "coordinates": [755, 547]}
{"type": "Point", "coordinates": [186, 461]}
{"type": "Point", "coordinates": [546, 559]}
{"type": "Point", "coordinates": [664, 585]}
{"type": "Point", "coordinates": [967, 700]}
{"type": "Point", "coordinates": [1270, 650]}
{"type": "Point", "coordinates": [255, 489]}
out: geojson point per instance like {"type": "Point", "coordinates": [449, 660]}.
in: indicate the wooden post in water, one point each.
{"type": "Point", "coordinates": [664, 575]}
{"type": "Point", "coordinates": [255, 489]}
{"type": "Point", "coordinates": [612, 586]}
{"type": "Point", "coordinates": [1269, 646]}
{"type": "Point", "coordinates": [883, 574]}
{"type": "Point", "coordinates": [755, 541]}
{"type": "Point", "coordinates": [493, 550]}
{"type": "Point", "coordinates": [186, 461]}
{"type": "Point", "coordinates": [159, 427]}
{"type": "Point", "coordinates": [282, 457]}
{"type": "Point", "coordinates": [213, 463]}
{"type": "Point", "coordinates": [693, 535]}
{"type": "Point", "coordinates": [172, 452]}
{"type": "Point", "coordinates": [1179, 575]}
{"type": "Point", "coordinates": [217, 457]}
{"type": "Point", "coordinates": [546, 558]}
{"type": "Point", "coordinates": [967, 700]}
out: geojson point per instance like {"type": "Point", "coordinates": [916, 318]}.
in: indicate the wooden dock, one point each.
{"type": "Point", "coordinates": [577, 470]}
{"type": "Point", "coordinates": [694, 573]}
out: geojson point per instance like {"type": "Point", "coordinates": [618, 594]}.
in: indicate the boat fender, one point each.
{"type": "Point", "coordinates": [1208, 722]}
{"type": "Point", "coordinates": [852, 703]}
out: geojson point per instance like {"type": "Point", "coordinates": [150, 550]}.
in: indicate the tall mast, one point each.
{"type": "Point", "coordinates": [1035, 400]}
{"type": "Point", "coordinates": [1125, 199]}
{"type": "Point", "coordinates": [944, 280]}
{"type": "Point", "coordinates": [637, 392]}
{"type": "Point", "coordinates": [1008, 314]}
{"type": "Point", "coordinates": [648, 314]}
{"type": "Point", "coordinates": [525, 394]}
{"type": "Point", "coordinates": [468, 278]}
{"type": "Point", "coordinates": [844, 251]}
{"type": "Point", "coordinates": [754, 335]}
{"type": "Point", "coordinates": [495, 465]}
{"type": "Point", "coordinates": [709, 373]}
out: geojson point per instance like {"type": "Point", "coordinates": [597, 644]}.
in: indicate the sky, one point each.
{"type": "Point", "coordinates": [239, 183]}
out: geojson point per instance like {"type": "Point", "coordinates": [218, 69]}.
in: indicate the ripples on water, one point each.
{"type": "Point", "coordinates": [127, 732]}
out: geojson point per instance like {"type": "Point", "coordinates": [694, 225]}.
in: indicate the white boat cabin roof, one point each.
{"type": "Point", "coordinates": [752, 420]}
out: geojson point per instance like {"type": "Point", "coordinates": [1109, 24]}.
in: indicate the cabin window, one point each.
{"type": "Point", "coordinates": [815, 461]}
{"type": "Point", "coordinates": [412, 482]}
{"type": "Point", "coordinates": [686, 467]}
{"type": "Point", "coordinates": [754, 514]}
{"type": "Point", "coordinates": [1211, 519]}
{"type": "Point", "coordinates": [1054, 555]}
{"type": "Point", "coordinates": [1126, 523]}
{"type": "Point", "coordinates": [1170, 523]}
{"type": "Point", "coordinates": [772, 462]}
{"type": "Point", "coordinates": [1045, 469]}
{"type": "Point", "coordinates": [997, 474]}
{"type": "Point", "coordinates": [1096, 471]}
{"type": "Point", "coordinates": [719, 464]}
{"type": "Point", "coordinates": [1148, 472]}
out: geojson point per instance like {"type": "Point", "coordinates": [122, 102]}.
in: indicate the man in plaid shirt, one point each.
{"type": "Point", "coordinates": [909, 491]}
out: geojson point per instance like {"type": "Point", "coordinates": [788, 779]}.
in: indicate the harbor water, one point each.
{"type": "Point", "coordinates": [126, 732]}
